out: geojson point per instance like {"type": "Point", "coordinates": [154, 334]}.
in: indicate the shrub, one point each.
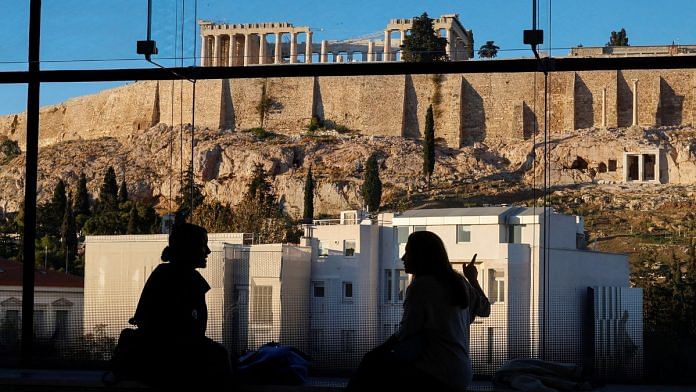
{"type": "Point", "coordinates": [262, 133]}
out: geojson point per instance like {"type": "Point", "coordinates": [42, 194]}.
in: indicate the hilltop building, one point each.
{"type": "Point", "coordinates": [341, 291]}
{"type": "Point", "coordinates": [225, 44]}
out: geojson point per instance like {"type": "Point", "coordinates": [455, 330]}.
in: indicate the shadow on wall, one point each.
{"type": "Point", "coordinates": [410, 127]}
{"type": "Point", "coordinates": [473, 115]}
{"type": "Point", "coordinates": [318, 104]}
{"type": "Point", "coordinates": [624, 98]}
{"type": "Point", "coordinates": [529, 122]}
{"type": "Point", "coordinates": [227, 118]}
{"type": "Point", "coordinates": [670, 107]}
{"type": "Point", "coordinates": [584, 113]}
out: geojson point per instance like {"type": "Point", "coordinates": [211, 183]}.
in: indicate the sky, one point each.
{"type": "Point", "coordinates": [83, 34]}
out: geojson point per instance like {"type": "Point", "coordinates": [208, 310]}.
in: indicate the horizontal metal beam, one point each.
{"type": "Point", "coordinates": [356, 69]}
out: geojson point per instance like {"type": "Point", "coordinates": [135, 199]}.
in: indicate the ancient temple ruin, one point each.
{"type": "Point", "coordinates": [281, 42]}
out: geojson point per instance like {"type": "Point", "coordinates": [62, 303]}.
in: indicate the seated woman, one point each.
{"type": "Point", "coordinates": [431, 349]}
{"type": "Point", "coordinates": [171, 347]}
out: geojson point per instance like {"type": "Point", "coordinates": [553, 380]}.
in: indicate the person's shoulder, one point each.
{"type": "Point", "coordinates": [425, 284]}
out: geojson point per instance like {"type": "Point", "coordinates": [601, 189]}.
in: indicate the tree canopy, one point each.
{"type": "Point", "coordinates": [423, 45]}
{"type": "Point", "coordinates": [489, 50]}
{"type": "Point", "coordinates": [618, 38]}
{"type": "Point", "coordinates": [429, 144]}
{"type": "Point", "coordinates": [308, 213]}
{"type": "Point", "coordinates": [372, 187]}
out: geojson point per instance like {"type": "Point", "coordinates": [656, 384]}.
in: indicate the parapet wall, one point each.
{"type": "Point", "coordinates": [468, 107]}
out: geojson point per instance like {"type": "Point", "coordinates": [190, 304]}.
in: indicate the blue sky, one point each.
{"type": "Point", "coordinates": [78, 34]}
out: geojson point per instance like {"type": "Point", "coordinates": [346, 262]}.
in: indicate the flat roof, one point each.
{"type": "Point", "coordinates": [472, 211]}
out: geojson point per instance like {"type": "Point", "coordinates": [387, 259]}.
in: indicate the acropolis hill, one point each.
{"type": "Point", "coordinates": [468, 107]}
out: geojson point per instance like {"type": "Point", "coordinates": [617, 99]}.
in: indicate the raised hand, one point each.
{"type": "Point", "coordinates": [470, 271]}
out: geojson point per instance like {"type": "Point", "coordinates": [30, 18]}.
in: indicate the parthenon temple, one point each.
{"type": "Point", "coordinates": [280, 43]}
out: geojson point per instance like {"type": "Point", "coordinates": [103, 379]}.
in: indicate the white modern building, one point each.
{"type": "Point", "coordinates": [341, 292]}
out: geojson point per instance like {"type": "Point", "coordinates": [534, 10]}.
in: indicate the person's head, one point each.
{"type": "Point", "coordinates": [425, 255]}
{"type": "Point", "coordinates": [188, 245]}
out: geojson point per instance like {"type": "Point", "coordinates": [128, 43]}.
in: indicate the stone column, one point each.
{"type": "Point", "coordinates": [387, 46]}
{"type": "Point", "coordinates": [217, 60]}
{"type": "Point", "coordinates": [308, 49]}
{"type": "Point", "coordinates": [293, 47]}
{"type": "Point", "coordinates": [640, 167]}
{"type": "Point", "coordinates": [247, 48]}
{"type": "Point", "coordinates": [324, 56]}
{"type": "Point", "coordinates": [233, 50]}
{"type": "Point", "coordinates": [262, 48]}
{"type": "Point", "coordinates": [604, 107]}
{"type": "Point", "coordinates": [370, 51]}
{"type": "Point", "coordinates": [448, 48]}
{"type": "Point", "coordinates": [278, 49]}
{"type": "Point", "coordinates": [204, 50]}
{"type": "Point", "coordinates": [635, 103]}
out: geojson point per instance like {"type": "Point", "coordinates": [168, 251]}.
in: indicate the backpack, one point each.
{"type": "Point", "coordinates": [273, 363]}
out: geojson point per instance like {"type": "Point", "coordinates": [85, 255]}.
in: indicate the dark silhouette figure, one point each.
{"type": "Point", "coordinates": [170, 348]}
{"type": "Point", "coordinates": [431, 349]}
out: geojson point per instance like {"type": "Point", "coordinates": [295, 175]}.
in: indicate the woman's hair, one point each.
{"type": "Point", "coordinates": [428, 255]}
{"type": "Point", "coordinates": [183, 238]}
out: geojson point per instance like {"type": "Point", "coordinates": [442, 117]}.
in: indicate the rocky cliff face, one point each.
{"type": "Point", "coordinates": [223, 161]}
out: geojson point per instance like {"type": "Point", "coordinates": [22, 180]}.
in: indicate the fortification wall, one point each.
{"type": "Point", "coordinates": [468, 107]}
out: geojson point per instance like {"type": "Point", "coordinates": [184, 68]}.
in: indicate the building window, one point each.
{"type": "Point", "coordinates": [419, 228]}
{"type": "Point", "coordinates": [349, 248]}
{"type": "Point", "coordinates": [347, 340]}
{"type": "Point", "coordinates": [61, 329]}
{"type": "Point", "coordinates": [39, 322]}
{"type": "Point", "coordinates": [323, 249]}
{"type": "Point", "coordinates": [388, 285]}
{"type": "Point", "coordinates": [316, 340]}
{"type": "Point", "coordinates": [261, 311]}
{"type": "Point", "coordinates": [612, 165]}
{"type": "Point", "coordinates": [402, 234]}
{"type": "Point", "coordinates": [347, 291]}
{"type": "Point", "coordinates": [515, 234]}
{"type": "Point", "coordinates": [496, 286]}
{"type": "Point", "coordinates": [403, 283]}
{"type": "Point", "coordinates": [318, 289]}
{"type": "Point", "coordinates": [9, 328]}
{"type": "Point", "coordinates": [463, 233]}
{"type": "Point", "coordinates": [491, 346]}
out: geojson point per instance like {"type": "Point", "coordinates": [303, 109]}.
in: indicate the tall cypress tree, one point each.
{"type": "Point", "coordinates": [429, 144]}
{"type": "Point", "coordinates": [123, 192]}
{"type": "Point", "coordinates": [81, 206]}
{"type": "Point", "coordinates": [68, 233]}
{"type": "Point", "coordinates": [190, 196]}
{"type": "Point", "coordinates": [308, 214]}
{"type": "Point", "coordinates": [372, 187]}
{"type": "Point", "coordinates": [108, 193]}
{"type": "Point", "coordinates": [133, 221]}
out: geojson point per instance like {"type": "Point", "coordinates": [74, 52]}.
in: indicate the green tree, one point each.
{"type": "Point", "coordinates": [372, 187]}
{"type": "Point", "coordinates": [133, 221]}
{"type": "Point", "coordinates": [216, 217]}
{"type": "Point", "coordinates": [489, 50]}
{"type": "Point", "coordinates": [308, 214]}
{"type": "Point", "coordinates": [423, 45]}
{"type": "Point", "coordinates": [149, 221]}
{"type": "Point", "coordinates": [618, 38]}
{"type": "Point", "coordinates": [190, 196]}
{"type": "Point", "coordinates": [429, 144]}
{"type": "Point", "coordinates": [260, 213]}
{"type": "Point", "coordinates": [104, 223]}
{"type": "Point", "coordinates": [108, 193]}
{"type": "Point", "coordinates": [81, 206]}
{"type": "Point", "coordinates": [123, 192]}
{"type": "Point", "coordinates": [68, 233]}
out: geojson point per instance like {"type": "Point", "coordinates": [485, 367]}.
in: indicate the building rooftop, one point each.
{"type": "Point", "coordinates": [472, 211]}
{"type": "Point", "coordinates": [11, 275]}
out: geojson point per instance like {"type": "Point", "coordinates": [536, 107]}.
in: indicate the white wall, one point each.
{"type": "Point", "coordinates": [117, 267]}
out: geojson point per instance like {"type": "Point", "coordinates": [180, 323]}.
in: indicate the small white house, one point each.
{"type": "Point", "coordinates": [58, 306]}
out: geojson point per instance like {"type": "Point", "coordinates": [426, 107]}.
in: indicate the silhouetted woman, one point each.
{"type": "Point", "coordinates": [431, 349]}
{"type": "Point", "coordinates": [172, 315]}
